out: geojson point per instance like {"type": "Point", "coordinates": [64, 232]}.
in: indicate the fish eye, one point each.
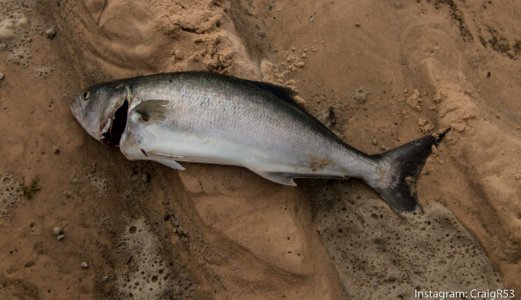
{"type": "Point", "coordinates": [86, 95]}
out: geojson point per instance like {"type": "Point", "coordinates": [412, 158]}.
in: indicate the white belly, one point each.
{"type": "Point", "coordinates": [167, 144]}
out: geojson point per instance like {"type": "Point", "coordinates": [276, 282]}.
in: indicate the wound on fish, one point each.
{"type": "Point", "coordinates": [113, 136]}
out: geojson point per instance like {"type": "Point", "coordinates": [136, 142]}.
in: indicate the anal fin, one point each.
{"type": "Point", "coordinates": [279, 178]}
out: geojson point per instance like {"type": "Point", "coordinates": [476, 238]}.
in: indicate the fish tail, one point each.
{"type": "Point", "coordinates": [397, 172]}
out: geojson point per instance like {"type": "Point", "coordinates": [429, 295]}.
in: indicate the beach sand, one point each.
{"type": "Point", "coordinates": [378, 73]}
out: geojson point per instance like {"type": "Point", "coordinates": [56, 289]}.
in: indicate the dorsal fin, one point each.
{"type": "Point", "coordinates": [281, 92]}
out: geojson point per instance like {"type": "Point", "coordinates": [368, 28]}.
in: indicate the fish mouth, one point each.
{"type": "Point", "coordinates": [112, 135]}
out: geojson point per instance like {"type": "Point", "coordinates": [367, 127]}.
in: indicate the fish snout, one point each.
{"type": "Point", "coordinates": [77, 109]}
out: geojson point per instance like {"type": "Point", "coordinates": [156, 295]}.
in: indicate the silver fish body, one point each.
{"type": "Point", "coordinates": [210, 118]}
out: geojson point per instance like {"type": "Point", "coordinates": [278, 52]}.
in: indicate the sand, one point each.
{"type": "Point", "coordinates": [377, 73]}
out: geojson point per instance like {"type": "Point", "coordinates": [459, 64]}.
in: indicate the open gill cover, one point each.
{"type": "Point", "coordinates": [113, 136]}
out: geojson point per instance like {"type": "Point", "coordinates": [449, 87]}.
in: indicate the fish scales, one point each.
{"type": "Point", "coordinates": [211, 118]}
{"type": "Point", "coordinates": [250, 116]}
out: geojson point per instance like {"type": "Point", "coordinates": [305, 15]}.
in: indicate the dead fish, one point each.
{"type": "Point", "coordinates": [210, 118]}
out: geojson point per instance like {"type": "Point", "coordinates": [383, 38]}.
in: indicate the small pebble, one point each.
{"type": "Point", "coordinates": [517, 176]}
{"type": "Point", "coordinates": [56, 149]}
{"type": "Point", "coordinates": [60, 237]}
{"type": "Point", "coordinates": [375, 142]}
{"type": "Point", "coordinates": [385, 148]}
{"type": "Point", "coordinates": [57, 230]}
{"type": "Point", "coordinates": [50, 33]}
{"type": "Point", "coordinates": [84, 265]}
{"type": "Point", "coordinates": [1, 76]}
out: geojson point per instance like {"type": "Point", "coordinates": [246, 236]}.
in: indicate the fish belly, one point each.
{"type": "Point", "coordinates": [166, 143]}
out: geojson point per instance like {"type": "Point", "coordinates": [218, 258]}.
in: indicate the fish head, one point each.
{"type": "Point", "coordinates": [101, 110]}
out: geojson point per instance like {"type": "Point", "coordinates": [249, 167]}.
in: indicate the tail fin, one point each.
{"type": "Point", "coordinates": [398, 170]}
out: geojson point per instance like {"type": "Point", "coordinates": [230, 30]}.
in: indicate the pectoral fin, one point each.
{"type": "Point", "coordinates": [152, 110]}
{"type": "Point", "coordinates": [279, 178]}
